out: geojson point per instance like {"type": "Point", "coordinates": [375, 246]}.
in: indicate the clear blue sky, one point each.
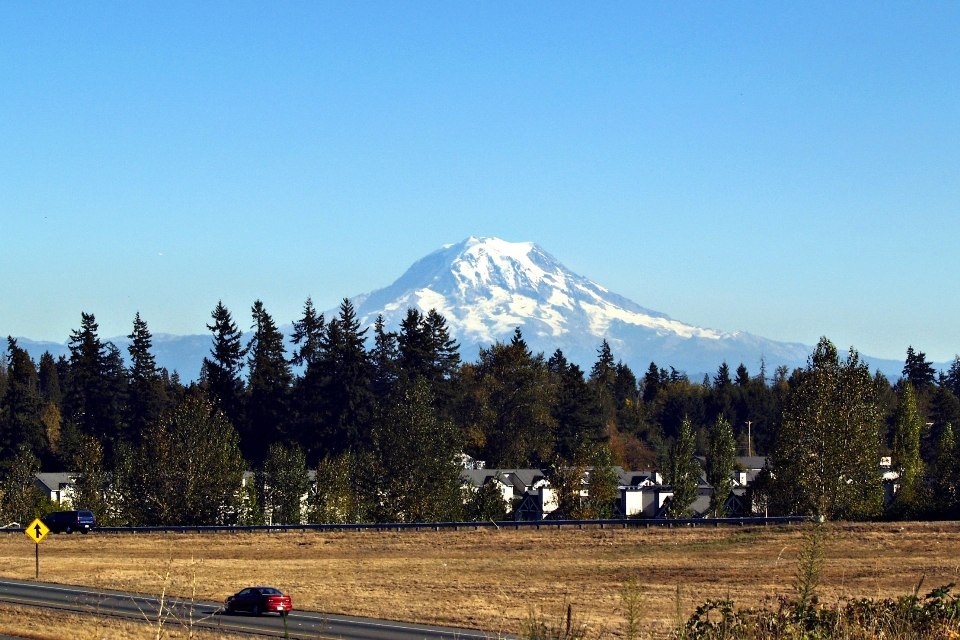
{"type": "Point", "coordinates": [788, 169]}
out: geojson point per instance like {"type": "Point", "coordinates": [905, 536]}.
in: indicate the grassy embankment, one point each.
{"type": "Point", "coordinates": [492, 579]}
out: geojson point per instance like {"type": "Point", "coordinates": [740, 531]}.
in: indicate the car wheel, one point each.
{"type": "Point", "coordinates": [68, 530]}
{"type": "Point", "coordinates": [256, 610]}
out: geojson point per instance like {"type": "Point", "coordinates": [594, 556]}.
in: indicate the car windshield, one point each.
{"type": "Point", "coordinates": [270, 592]}
{"type": "Point", "coordinates": [85, 514]}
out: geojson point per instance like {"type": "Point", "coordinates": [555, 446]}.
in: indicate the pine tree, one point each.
{"type": "Point", "coordinates": [825, 458]}
{"type": "Point", "coordinates": [95, 386]}
{"type": "Point", "coordinates": [577, 417]}
{"type": "Point", "coordinates": [684, 474]}
{"type": "Point", "coordinates": [21, 407]}
{"type": "Point", "coordinates": [720, 463]}
{"type": "Point", "coordinates": [221, 371]}
{"type": "Point", "coordinates": [513, 389]}
{"type": "Point", "coordinates": [338, 401]}
{"type": "Point", "coordinates": [385, 357]}
{"type": "Point", "coordinates": [267, 414]}
{"type": "Point", "coordinates": [908, 426]}
{"type": "Point", "coordinates": [49, 380]}
{"type": "Point", "coordinates": [917, 370]}
{"type": "Point", "coordinates": [603, 378]}
{"type": "Point", "coordinates": [147, 394]}
{"type": "Point", "coordinates": [743, 376]}
{"type": "Point", "coordinates": [308, 336]}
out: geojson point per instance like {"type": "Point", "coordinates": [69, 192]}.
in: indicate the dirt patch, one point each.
{"type": "Point", "coordinates": [491, 579]}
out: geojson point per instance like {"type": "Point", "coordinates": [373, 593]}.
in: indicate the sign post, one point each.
{"type": "Point", "coordinates": [36, 531]}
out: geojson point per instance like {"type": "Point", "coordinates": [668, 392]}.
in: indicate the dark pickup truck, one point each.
{"type": "Point", "coordinates": [70, 521]}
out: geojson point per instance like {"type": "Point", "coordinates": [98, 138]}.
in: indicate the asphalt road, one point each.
{"type": "Point", "coordinates": [178, 613]}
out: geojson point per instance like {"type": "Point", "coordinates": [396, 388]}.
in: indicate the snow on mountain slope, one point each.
{"type": "Point", "coordinates": [485, 287]}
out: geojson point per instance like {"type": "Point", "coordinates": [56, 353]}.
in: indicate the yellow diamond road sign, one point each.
{"type": "Point", "coordinates": [36, 530]}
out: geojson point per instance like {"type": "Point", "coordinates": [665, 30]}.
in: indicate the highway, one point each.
{"type": "Point", "coordinates": [209, 615]}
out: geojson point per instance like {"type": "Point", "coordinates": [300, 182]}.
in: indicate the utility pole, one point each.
{"type": "Point", "coordinates": [749, 424]}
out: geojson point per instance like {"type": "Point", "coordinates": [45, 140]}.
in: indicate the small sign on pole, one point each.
{"type": "Point", "coordinates": [36, 531]}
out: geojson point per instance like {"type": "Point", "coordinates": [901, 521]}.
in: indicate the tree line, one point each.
{"type": "Point", "coordinates": [382, 417]}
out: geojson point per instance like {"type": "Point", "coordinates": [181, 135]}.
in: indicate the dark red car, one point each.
{"type": "Point", "coordinates": [258, 600]}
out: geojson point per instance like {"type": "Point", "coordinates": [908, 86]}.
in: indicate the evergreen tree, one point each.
{"type": "Point", "coordinates": [417, 456]}
{"type": "Point", "coordinates": [908, 426]}
{"type": "Point", "coordinates": [952, 378]}
{"type": "Point", "coordinates": [21, 407]}
{"type": "Point", "coordinates": [343, 401]}
{"type": "Point", "coordinates": [577, 417]}
{"type": "Point", "coordinates": [284, 484]}
{"type": "Point", "coordinates": [427, 350]}
{"type": "Point", "coordinates": [268, 388]}
{"type": "Point", "coordinates": [917, 370]}
{"type": "Point", "coordinates": [825, 458]}
{"type": "Point", "coordinates": [743, 376]}
{"type": "Point", "coordinates": [94, 401]}
{"type": "Point", "coordinates": [684, 473]}
{"type": "Point", "coordinates": [147, 394]}
{"type": "Point", "coordinates": [308, 336]}
{"type": "Point", "coordinates": [720, 463]}
{"type": "Point", "coordinates": [221, 371]}
{"type": "Point", "coordinates": [49, 380]}
{"type": "Point", "coordinates": [515, 398]}
{"type": "Point", "coordinates": [603, 378]}
{"type": "Point", "coordinates": [385, 357]}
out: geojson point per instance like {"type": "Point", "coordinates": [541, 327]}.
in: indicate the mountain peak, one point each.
{"type": "Point", "coordinates": [486, 287]}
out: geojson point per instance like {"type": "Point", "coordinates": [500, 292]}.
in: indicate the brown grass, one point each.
{"type": "Point", "coordinates": [492, 579]}
{"type": "Point", "coordinates": [38, 623]}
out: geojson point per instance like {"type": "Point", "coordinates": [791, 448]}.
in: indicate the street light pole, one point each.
{"type": "Point", "coordinates": [749, 438]}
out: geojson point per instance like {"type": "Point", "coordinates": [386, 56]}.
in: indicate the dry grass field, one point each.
{"type": "Point", "coordinates": [48, 624]}
{"type": "Point", "coordinates": [493, 579]}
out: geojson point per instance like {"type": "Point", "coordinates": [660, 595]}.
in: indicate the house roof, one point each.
{"type": "Point", "coordinates": [53, 481]}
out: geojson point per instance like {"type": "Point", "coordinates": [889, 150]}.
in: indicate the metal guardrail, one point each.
{"type": "Point", "coordinates": [455, 526]}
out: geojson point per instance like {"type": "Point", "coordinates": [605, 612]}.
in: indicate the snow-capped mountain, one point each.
{"type": "Point", "coordinates": [486, 287]}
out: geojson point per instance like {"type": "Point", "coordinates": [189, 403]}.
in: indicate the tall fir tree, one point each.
{"type": "Point", "coordinates": [339, 404]}
{"type": "Point", "coordinates": [220, 373]}
{"type": "Point", "coordinates": [577, 417]}
{"type": "Point", "coordinates": [21, 407]}
{"type": "Point", "coordinates": [385, 360]}
{"type": "Point", "coordinates": [917, 369]}
{"type": "Point", "coordinates": [94, 400]}
{"type": "Point", "coordinates": [267, 414]}
{"type": "Point", "coordinates": [147, 391]}
{"type": "Point", "coordinates": [308, 336]}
